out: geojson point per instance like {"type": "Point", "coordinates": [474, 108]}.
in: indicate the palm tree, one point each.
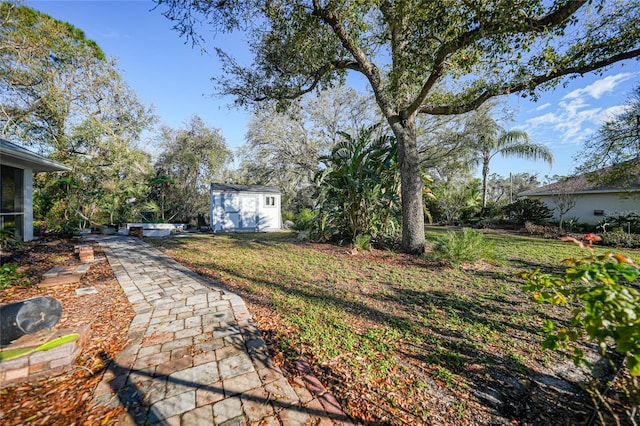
{"type": "Point", "coordinates": [494, 140]}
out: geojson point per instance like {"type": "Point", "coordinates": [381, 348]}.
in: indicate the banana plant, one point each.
{"type": "Point", "coordinates": [358, 187]}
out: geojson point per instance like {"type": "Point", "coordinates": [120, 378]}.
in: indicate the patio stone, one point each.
{"type": "Point", "coordinates": [227, 409]}
{"type": "Point", "coordinates": [172, 406]}
{"type": "Point", "coordinates": [195, 356]}
{"type": "Point", "coordinates": [235, 366]}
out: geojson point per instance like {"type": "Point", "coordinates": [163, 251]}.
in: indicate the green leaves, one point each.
{"type": "Point", "coordinates": [358, 188]}
{"type": "Point", "coordinates": [9, 274]}
{"type": "Point", "coordinates": [607, 312]}
{"type": "Point", "coordinates": [60, 93]}
{"type": "Point", "coordinates": [192, 158]}
{"type": "Point", "coordinates": [466, 245]}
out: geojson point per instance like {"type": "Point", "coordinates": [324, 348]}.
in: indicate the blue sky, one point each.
{"type": "Point", "coordinates": [176, 79]}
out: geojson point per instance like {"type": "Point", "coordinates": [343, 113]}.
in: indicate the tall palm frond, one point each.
{"type": "Point", "coordinates": [512, 143]}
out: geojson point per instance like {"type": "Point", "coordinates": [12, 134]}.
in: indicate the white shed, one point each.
{"type": "Point", "coordinates": [245, 208]}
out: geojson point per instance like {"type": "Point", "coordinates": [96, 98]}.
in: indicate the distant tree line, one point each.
{"type": "Point", "coordinates": [332, 154]}
{"type": "Point", "coordinates": [62, 96]}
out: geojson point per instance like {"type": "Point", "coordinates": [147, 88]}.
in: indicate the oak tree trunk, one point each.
{"type": "Point", "coordinates": [411, 187]}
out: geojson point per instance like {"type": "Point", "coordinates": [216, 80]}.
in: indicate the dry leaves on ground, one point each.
{"type": "Point", "coordinates": [67, 399]}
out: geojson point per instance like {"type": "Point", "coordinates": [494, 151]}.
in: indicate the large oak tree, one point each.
{"type": "Point", "coordinates": [192, 157]}
{"type": "Point", "coordinates": [418, 57]}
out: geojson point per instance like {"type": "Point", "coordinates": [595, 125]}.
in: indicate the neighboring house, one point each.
{"type": "Point", "coordinates": [16, 187]}
{"type": "Point", "coordinates": [589, 202]}
{"type": "Point", "coordinates": [245, 208]}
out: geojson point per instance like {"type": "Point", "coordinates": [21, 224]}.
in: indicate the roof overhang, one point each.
{"type": "Point", "coordinates": [577, 193]}
{"type": "Point", "coordinates": [17, 156]}
{"type": "Point", "coordinates": [220, 188]}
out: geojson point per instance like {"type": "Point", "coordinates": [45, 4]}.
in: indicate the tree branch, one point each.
{"type": "Point", "coordinates": [365, 67]}
{"type": "Point", "coordinates": [554, 18]}
{"type": "Point", "coordinates": [316, 78]}
{"type": "Point", "coordinates": [519, 86]}
{"type": "Point", "coordinates": [532, 25]}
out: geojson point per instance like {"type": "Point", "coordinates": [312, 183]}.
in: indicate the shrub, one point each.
{"type": "Point", "coordinates": [391, 239]}
{"type": "Point", "coordinates": [287, 215]}
{"type": "Point", "coordinates": [467, 245]}
{"type": "Point", "coordinates": [627, 220]}
{"type": "Point", "coordinates": [571, 224]}
{"type": "Point", "coordinates": [304, 219]}
{"type": "Point", "coordinates": [8, 240]}
{"type": "Point", "coordinates": [358, 189]}
{"type": "Point", "coordinates": [605, 309]}
{"type": "Point", "coordinates": [362, 242]}
{"type": "Point", "coordinates": [528, 210]}
{"type": "Point", "coordinates": [620, 238]}
{"type": "Point", "coordinates": [9, 275]}
{"type": "Point", "coordinates": [542, 231]}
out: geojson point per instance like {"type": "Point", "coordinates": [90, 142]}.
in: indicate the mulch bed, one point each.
{"type": "Point", "coordinates": [67, 399]}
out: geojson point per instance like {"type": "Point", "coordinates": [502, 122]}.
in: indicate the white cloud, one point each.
{"type": "Point", "coordinates": [543, 106]}
{"type": "Point", "coordinates": [574, 123]}
{"type": "Point", "coordinates": [571, 108]}
{"type": "Point", "coordinates": [574, 118]}
{"type": "Point", "coordinates": [612, 112]}
{"type": "Point", "coordinates": [600, 87]}
{"type": "Point", "coordinates": [548, 118]}
{"type": "Point", "coordinates": [571, 120]}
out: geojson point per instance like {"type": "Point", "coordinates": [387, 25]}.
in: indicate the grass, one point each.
{"type": "Point", "coordinates": [399, 339]}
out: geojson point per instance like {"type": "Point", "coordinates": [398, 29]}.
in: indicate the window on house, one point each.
{"type": "Point", "coordinates": [11, 201]}
{"type": "Point", "coordinates": [270, 201]}
{"type": "Point", "coordinates": [11, 188]}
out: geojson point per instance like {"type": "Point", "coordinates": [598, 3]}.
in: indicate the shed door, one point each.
{"type": "Point", "coordinates": [248, 211]}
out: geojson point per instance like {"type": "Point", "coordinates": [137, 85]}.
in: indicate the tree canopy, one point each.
{"type": "Point", "coordinates": [439, 58]}
{"type": "Point", "coordinates": [283, 147]}
{"type": "Point", "coordinates": [191, 159]}
{"type": "Point", "coordinates": [58, 90]}
{"type": "Point", "coordinates": [60, 94]}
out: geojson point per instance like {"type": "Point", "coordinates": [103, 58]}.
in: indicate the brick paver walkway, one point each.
{"type": "Point", "coordinates": [195, 356]}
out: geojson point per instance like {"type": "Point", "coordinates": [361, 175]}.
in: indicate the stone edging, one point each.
{"type": "Point", "coordinates": [45, 363]}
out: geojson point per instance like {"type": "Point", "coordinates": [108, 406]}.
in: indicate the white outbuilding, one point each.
{"type": "Point", "coordinates": [245, 208]}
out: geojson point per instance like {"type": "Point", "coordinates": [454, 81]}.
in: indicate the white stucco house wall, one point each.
{"type": "Point", "coordinates": [17, 166]}
{"type": "Point", "coordinates": [245, 208]}
{"type": "Point", "coordinates": [593, 201]}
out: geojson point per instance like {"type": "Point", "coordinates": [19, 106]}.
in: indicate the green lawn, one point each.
{"type": "Point", "coordinates": [403, 340]}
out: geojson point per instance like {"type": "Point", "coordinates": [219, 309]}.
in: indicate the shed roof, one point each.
{"type": "Point", "coordinates": [227, 187]}
{"type": "Point", "coordinates": [13, 154]}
